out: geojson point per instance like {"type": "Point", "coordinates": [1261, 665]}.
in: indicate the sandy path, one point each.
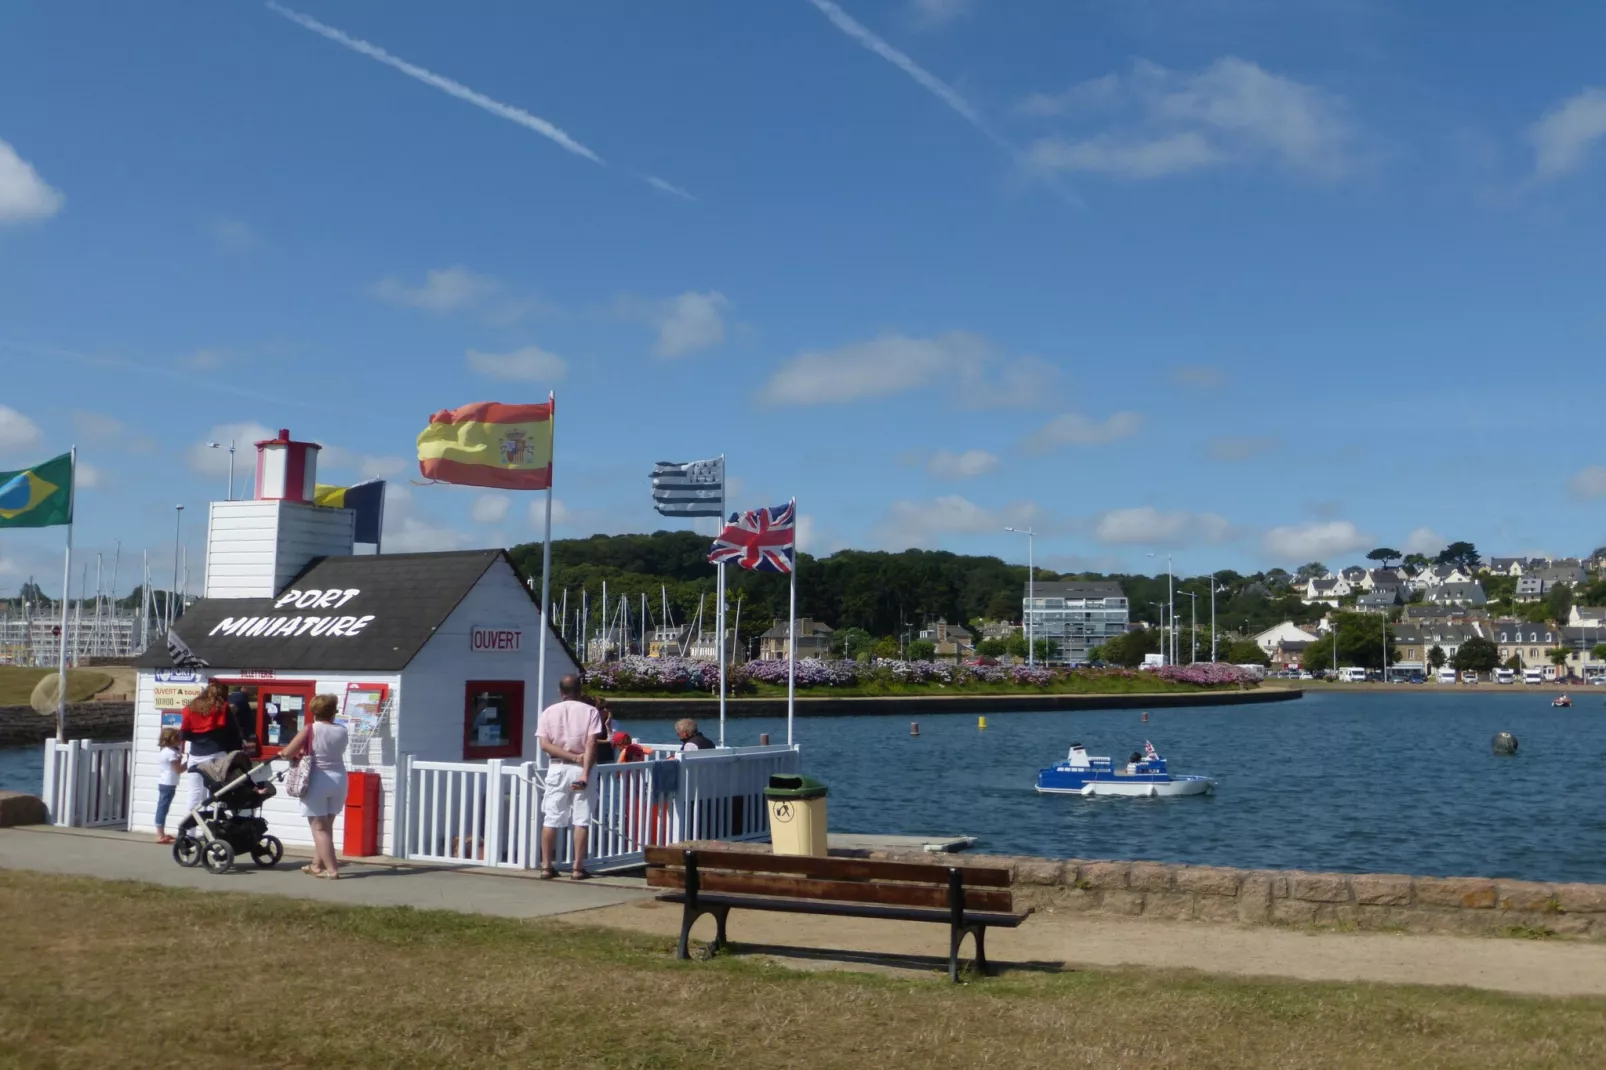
{"type": "Point", "coordinates": [1552, 968]}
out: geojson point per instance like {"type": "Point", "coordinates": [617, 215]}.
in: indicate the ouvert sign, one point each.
{"type": "Point", "coordinates": [486, 638]}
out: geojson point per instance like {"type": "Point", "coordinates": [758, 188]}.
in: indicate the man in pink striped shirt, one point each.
{"type": "Point", "coordinates": [566, 731]}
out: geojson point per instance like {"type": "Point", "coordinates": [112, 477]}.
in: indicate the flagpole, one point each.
{"type": "Point", "coordinates": [719, 618]}
{"type": "Point", "coordinates": [791, 635]}
{"type": "Point", "coordinates": [546, 560]}
{"type": "Point", "coordinates": [66, 581]}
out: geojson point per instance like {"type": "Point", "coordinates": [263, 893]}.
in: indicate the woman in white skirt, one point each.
{"type": "Point", "coordinates": [326, 788]}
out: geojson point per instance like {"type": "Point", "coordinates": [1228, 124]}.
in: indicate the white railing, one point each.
{"type": "Point", "coordinates": [489, 813]}
{"type": "Point", "coordinates": [87, 783]}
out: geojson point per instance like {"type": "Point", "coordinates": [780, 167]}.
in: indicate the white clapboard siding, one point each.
{"type": "Point", "coordinates": [282, 812]}
{"type": "Point", "coordinates": [254, 548]}
{"type": "Point", "coordinates": [431, 726]}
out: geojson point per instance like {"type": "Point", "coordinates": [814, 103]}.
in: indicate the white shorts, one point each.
{"type": "Point", "coordinates": [563, 806]}
{"type": "Point", "coordinates": [326, 794]}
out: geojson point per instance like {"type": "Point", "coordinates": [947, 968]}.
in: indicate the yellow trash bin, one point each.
{"type": "Point", "coordinates": [797, 815]}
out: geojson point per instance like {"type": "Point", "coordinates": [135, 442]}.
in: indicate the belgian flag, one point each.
{"type": "Point", "coordinates": [367, 500]}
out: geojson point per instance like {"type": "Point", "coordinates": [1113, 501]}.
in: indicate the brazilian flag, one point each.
{"type": "Point", "coordinates": [37, 497]}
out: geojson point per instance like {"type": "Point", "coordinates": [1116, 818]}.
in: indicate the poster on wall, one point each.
{"type": "Point", "coordinates": [171, 697]}
{"type": "Point", "coordinates": [172, 718]}
{"type": "Point", "coordinates": [364, 705]}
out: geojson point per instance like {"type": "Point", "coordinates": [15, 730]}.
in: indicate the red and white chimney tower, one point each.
{"type": "Point", "coordinates": [286, 470]}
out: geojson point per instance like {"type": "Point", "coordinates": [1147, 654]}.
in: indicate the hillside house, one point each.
{"type": "Point", "coordinates": [813, 640]}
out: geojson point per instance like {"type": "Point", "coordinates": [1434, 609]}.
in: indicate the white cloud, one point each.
{"type": "Point", "coordinates": [1200, 376]}
{"type": "Point", "coordinates": [87, 477]}
{"type": "Point", "coordinates": [945, 464]}
{"type": "Point", "coordinates": [908, 523]}
{"type": "Point", "coordinates": [935, 14]}
{"type": "Point", "coordinates": [1075, 429]}
{"type": "Point", "coordinates": [443, 290]}
{"type": "Point", "coordinates": [24, 196]}
{"type": "Point", "coordinates": [895, 363]}
{"type": "Point", "coordinates": [531, 364]}
{"type": "Point", "coordinates": [207, 461]}
{"type": "Point", "coordinates": [205, 360]}
{"type": "Point", "coordinates": [1147, 526]}
{"type": "Point", "coordinates": [17, 432]}
{"type": "Point", "coordinates": [689, 322]}
{"type": "Point", "coordinates": [490, 508]}
{"type": "Point", "coordinates": [562, 515]}
{"type": "Point", "coordinates": [1169, 122]}
{"type": "Point", "coordinates": [1425, 541]}
{"type": "Point", "coordinates": [333, 458]}
{"type": "Point", "coordinates": [232, 236]}
{"type": "Point", "coordinates": [96, 425]}
{"type": "Point", "coordinates": [407, 534]}
{"type": "Point", "coordinates": [667, 187]}
{"type": "Point", "coordinates": [1298, 543]}
{"type": "Point", "coordinates": [1564, 135]}
{"type": "Point", "coordinates": [1590, 483]}
{"type": "Point", "coordinates": [1240, 447]}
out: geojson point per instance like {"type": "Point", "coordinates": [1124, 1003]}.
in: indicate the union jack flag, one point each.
{"type": "Point", "coordinates": [761, 539]}
{"type": "Point", "coordinates": [1149, 753]}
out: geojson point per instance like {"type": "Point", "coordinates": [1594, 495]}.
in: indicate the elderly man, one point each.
{"type": "Point", "coordinates": [566, 731]}
{"type": "Point", "coordinates": [690, 738]}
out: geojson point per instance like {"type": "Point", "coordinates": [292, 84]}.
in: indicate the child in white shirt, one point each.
{"type": "Point", "coordinates": [169, 764]}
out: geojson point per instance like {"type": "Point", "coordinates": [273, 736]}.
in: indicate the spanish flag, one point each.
{"type": "Point", "coordinates": [488, 444]}
{"type": "Point", "coordinates": [37, 497]}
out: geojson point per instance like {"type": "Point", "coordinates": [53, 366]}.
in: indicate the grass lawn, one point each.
{"type": "Point", "coordinates": [108, 974]}
{"type": "Point", "coordinates": [17, 683]}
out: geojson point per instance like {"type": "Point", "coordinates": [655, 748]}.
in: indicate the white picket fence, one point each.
{"type": "Point", "coordinates": [87, 783]}
{"type": "Point", "coordinates": [489, 813]}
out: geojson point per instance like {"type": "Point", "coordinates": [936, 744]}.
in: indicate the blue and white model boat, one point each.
{"type": "Point", "coordinates": [1143, 775]}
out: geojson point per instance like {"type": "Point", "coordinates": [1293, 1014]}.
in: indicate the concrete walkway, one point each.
{"type": "Point", "coordinates": [122, 856]}
{"type": "Point", "coordinates": [1046, 942]}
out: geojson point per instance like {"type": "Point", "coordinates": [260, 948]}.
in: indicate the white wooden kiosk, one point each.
{"type": "Point", "coordinates": [433, 655]}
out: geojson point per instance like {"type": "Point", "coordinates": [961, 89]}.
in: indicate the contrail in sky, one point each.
{"type": "Point", "coordinates": [445, 85]}
{"type": "Point", "coordinates": [929, 82]}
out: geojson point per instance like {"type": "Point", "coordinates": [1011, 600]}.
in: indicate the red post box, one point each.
{"type": "Point", "coordinates": [362, 814]}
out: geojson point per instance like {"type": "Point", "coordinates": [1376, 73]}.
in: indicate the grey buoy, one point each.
{"type": "Point", "coordinates": [1503, 743]}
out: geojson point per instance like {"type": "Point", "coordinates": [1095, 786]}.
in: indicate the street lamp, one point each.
{"type": "Point", "coordinates": [218, 446]}
{"type": "Point", "coordinates": [1031, 591]}
{"type": "Point", "coordinates": [1193, 630]}
{"type": "Point", "coordinates": [1171, 603]}
{"type": "Point", "coordinates": [1161, 606]}
{"type": "Point", "coordinates": [1214, 590]}
{"type": "Point", "coordinates": [178, 526]}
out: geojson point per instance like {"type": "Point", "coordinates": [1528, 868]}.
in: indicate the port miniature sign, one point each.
{"type": "Point", "coordinates": [489, 639]}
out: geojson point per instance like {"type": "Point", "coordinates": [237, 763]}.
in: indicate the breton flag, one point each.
{"type": "Point", "coordinates": [488, 444]}
{"type": "Point", "coordinates": [366, 499]}
{"type": "Point", "coordinates": [692, 488]}
{"type": "Point", "coordinates": [764, 540]}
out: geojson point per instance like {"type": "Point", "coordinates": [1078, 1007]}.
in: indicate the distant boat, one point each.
{"type": "Point", "coordinates": [1562, 702]}
{"type": "Point", "coordinates": [1144, 776]}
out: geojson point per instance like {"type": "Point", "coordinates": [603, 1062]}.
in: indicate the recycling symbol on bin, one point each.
{"type": "Point", "coordinates": [783, 811]}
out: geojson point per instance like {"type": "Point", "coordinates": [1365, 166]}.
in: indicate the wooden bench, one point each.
{"type": "Point", "coordinates": [968, 899]}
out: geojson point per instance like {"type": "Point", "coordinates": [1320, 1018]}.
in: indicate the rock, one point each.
{"type": "Point", "coordinates": [1208, 880]}
{"type": "Point", "coordinates": [1381, 889]}
{"type": "Point", "coordinates": [1465, 893]}
{"type": "Point", "coordinates": [1319, 887]}
{"type": "Point", "coordinates": [1503, 743]}
{"type": "Point", "coordinates": [19, 809]}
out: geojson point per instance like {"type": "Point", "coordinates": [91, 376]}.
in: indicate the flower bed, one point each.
{"type": "Point", "coordinates": [641, 675]}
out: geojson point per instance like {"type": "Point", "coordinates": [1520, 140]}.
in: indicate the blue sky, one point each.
{"type": "Point", "coordinates": [1244, 281]}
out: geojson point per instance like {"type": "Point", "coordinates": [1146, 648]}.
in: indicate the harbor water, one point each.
{"type": "Point", "coordinates": [1373, 783]}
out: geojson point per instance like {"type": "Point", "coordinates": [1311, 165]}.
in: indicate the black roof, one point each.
{"type": "Point", "coordinates": [400, 600]}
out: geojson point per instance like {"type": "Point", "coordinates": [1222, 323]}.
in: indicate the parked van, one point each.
{"type": "Point", "coordinates": [1469, 677]}
{"type": "Point", "coordinates": [1505, 676]}
{"type": "Point", "coordinates": [1446, 676]}
{"type": "Point", "coordinates": [1352, 676]}
{"type": "Point", "coordinates": [1533, 676]}
{"type": "Point", "coordinates": [1551, 672]}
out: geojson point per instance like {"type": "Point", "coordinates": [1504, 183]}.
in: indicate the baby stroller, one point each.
{"type": "Point", "coordinates": [229, 822]}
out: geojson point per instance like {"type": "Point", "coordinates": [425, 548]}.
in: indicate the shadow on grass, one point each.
{"type": "Point", "coordinates": [888, 960]}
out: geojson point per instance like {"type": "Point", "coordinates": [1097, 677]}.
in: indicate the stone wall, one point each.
{"type": "Point", "coordinates": [22, 726]}
{"type": "Point", "coordinates": [1376, 902]}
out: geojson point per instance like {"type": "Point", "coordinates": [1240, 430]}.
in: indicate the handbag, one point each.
{"type": "Point", "coordinates": [300, 774]}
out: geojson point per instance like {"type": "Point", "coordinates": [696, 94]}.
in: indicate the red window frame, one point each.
{"type": "Point", "coordinates": [304, 688]}
{"type": "Point", "coordinates": [515, 721]}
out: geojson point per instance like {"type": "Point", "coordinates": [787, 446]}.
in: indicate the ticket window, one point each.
{"type": "Point", "coordinates": [275, 714]}
{"type": "Point", "coordinates": [493, 719]}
